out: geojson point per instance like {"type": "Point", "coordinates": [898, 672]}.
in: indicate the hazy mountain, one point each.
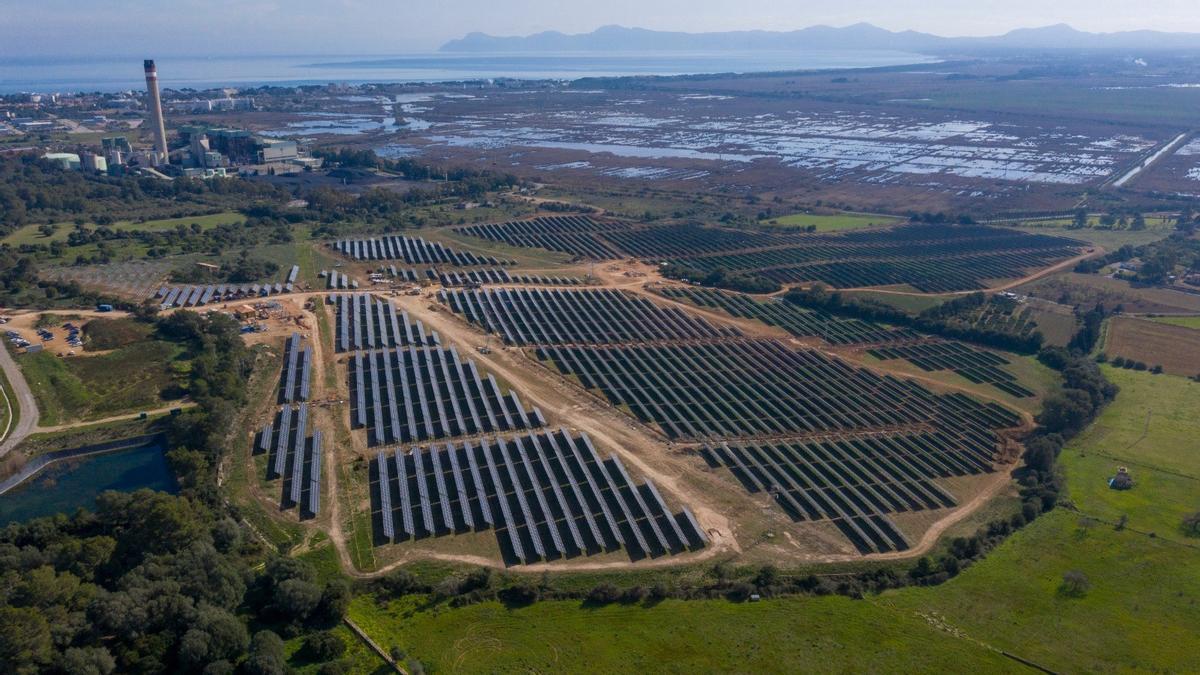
{"type": "Point", "coordinates": [860, 36]}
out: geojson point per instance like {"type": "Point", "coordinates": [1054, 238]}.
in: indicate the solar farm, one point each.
{"type": "Point", "coordinates": [534, 419]}
{"type": "Point", "coordinates": [546, 496]}
{"type": "Point", "coordinates": [928, 258]}
{"type": "Point", "coordinates": [293, 449]}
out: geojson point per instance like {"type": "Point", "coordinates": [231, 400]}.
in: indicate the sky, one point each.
{"type": "Point", "coordinates": [40, 28]}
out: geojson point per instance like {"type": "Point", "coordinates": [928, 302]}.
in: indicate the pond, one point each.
{"type": "Point", "coordinates": [66, 485]}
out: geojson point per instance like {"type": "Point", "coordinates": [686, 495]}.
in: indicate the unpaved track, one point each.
{"type": "Point", "coordinates": [115, 418]}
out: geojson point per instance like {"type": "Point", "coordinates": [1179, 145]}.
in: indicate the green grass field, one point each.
{"type": "Point", "coordinates": [1152, 429]}
{"type": "Point", "coordinates": [1156, 228]}
{"type": "Point", "coordinates": [830, 634]}
{"type": "Point", "coordinates": [831, 223]}
{"type": "Point", "coordinates": [30, 235]}
{"type": "Point", "coordinates": [1185, 321]}
{"type": "Point", "coordinates": [124, 380]}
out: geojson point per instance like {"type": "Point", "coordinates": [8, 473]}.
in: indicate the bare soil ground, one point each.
{"type": "Point", "coordinates": [1175, 348]}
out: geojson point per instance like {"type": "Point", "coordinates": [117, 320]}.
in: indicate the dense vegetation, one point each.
{"type": "Point", "coordinates": [152, 582]}
{"type": "Point", "coordinates": [33, 190]}
{"type": "Point", "coordinates": [721, 278]}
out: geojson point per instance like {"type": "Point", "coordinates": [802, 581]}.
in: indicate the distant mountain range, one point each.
{"type": "Point", "coordinates": [860, 36]}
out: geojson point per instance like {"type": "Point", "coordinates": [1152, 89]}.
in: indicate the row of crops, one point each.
{"type": "Point", "coordinates": [546, 496]}
{"type": "Point", "coordinates": [796, 320]}
{"type": "Point", "coordinates": [977, 365]}
{"type": "Point", "coordinates": [412, 250]}
{"type": "Point", "coordinates": [526, 316]}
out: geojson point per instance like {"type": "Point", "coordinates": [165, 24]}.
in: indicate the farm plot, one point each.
{"type": "Point", "coordinates": [792, 318]}
{"type": "Point", "coordinates": [997, 315]}
{"type": "Point", "coordinates": [1175, 348]}
{"type": "Point", "coordinates": [594, 316]}
{"type": "Point", "coordinates": [412, 250]}
{"type": "Point", "coordinates": [977, 365]}
{"type": "Point", "coordinates": [364, 321]}
{"type": "Point", "coordinates": [930, 258]}
{"type": "Point", "coordinates": [404, 395]}
{"type": "Point", "coordinates": [294, 456]}
{"type": "Point", "coordinates": [575, 235]}
{"type": "Point", "coordinates": [546, 496]}
{"type": "Point", "coordinates": [758, 388]}
{"type": "Point", "coordinates": [854, 481]}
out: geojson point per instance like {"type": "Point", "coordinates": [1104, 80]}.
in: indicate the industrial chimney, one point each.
{"type": "Point", "coordinates": [160, 131]}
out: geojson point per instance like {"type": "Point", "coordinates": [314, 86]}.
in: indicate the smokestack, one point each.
{"type": "Point", "coordinates": [160, 131]}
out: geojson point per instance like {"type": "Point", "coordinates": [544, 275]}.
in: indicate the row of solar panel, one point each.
{"type": "Point", "coordinates": [416, 394]}
{"type": "Point", "coordinates": [194, 296]}
{"type": "Point", "coordinates": [295, 457]}
{"type": "Point", "coordinates": [547, 496]}
{"type": "Point", "coordinates": [412, 250]}
{"type": "Point", "coordinates": [336, 281]}
{"type": "Point", "coordinates": [295, 381]}
{"type": "Point", "coordinates": [367, 322]}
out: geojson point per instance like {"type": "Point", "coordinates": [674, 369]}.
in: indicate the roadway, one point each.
{"type": "Point", "coordinates": [25, 403]}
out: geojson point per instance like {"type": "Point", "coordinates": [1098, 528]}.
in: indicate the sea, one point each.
{"type": "Point", "coordinates": [115, 74]}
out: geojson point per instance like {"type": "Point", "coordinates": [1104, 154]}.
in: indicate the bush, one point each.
{"type": "Point", "coordinates": [1075, 584]}
{"type": "Point", "coordinates": [324, 646]}
{"type": "Point", "coordinates": [1191, 524]}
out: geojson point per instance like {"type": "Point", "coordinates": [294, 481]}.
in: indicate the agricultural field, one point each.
{"type": "Point", "coordinates": [1175, 348]}
{"type": "Point", "coordinates": [1086, 290]}
{"type": "Point", "coordinates": [1192, 322]}
{"type": "Point", "coordinates": [1135, 617]}
{"type": "Point", "coordinates": [1151, 429]}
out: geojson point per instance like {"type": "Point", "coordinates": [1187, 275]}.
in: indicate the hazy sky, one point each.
{"type": "Point", "coordinates": [205, 27]}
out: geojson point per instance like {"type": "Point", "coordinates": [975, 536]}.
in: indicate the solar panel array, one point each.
{"type": "Point", "coordinates": [547, 496]}
{"type": "Point", "coordinates": [296, 379]}
{"type": "Point", "coordinates": [338, 281]}
{"type": "Point", "coordinates": [576, 235]}
{"type": "Point", "coordinates": [294, 456]}
{"type": "Point", "coordinates": [417, 394]}
{"type": "Point", "coordinates": [748, 388]}
{"type": "Point", "coordinates": [794, 319]}
{"type": "Point", "coordinates": [403, 273]}
{"type": "Point", "coordinates": [977, 365]}
{"type": "Point", "coordinates": [578, 316]}
{"type": "Point", "coordinates": [364, 321]}
{"type": "Point", "coordinates": [854, 481]}
{"type": "Point", "coordinates": [412, 250]}
{"type": "Point", "coordinates": [196, 296]}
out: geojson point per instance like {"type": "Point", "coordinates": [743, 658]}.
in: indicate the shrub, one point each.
{"type": "Point", "coordinates": [324, 646]}
{"type": "Point", "coordinates": [1075, 584]}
